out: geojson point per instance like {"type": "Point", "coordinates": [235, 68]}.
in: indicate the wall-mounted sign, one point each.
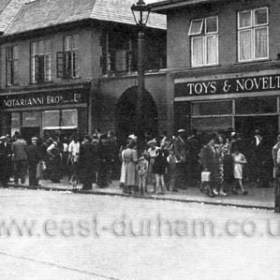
{"type": "Point", "coordinates": [43, 99]}
{"type": "Point", "coordinates": [224, 86]}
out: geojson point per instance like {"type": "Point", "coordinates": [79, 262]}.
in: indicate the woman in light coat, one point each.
{"type": "Point", "coordinates": [129, 159]}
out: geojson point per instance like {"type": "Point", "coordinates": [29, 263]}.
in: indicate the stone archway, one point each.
{"type": "Point", "coordinates": [126, 114]}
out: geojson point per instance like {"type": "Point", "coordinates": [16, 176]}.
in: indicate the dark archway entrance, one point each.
{"type": "Point", "coordinates": [126, 114]}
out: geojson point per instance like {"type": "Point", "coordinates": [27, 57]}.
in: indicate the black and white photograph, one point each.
{"type": "Point", "coordinates": [139, 139]}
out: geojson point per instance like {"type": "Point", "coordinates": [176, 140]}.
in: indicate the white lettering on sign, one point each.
{"type": "Point", "coordinates": [249, 84]}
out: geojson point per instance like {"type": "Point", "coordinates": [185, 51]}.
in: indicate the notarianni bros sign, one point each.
{"type": "Point", "coordinates": [17, 101]}
{"type": "Point", "coordinates": [224, 86]}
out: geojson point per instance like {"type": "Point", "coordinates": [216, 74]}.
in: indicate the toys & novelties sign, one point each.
{"type": "Point", "coordinates": [224, 86]}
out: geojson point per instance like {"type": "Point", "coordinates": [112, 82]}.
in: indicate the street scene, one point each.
{"type": "Point", "coordinates": [139, 139]}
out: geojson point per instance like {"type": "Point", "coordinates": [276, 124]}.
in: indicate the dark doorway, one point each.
{"type": "Point", "coordinates": [28, 132]}
{"type": "Point", "coordinates": [268, 125]}
{"type": "Point", "coordinates": [126, 114]}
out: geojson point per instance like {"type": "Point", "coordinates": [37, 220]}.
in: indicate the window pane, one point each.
{"type": "Point", "coordinates": [15, 121]}
{"type": "Point", "coordinates": [212, 49]}
{"type": "Point", "coordinates": [245, 45]}
{"type": "Point", "coordinates": [261, 42]}
{"type": "Point", "coordinates": [211, 124]}
{"type": "Point", "coordinates": [15, 54]}
{"type": "Point", "coordinates": [196, 27]}
{"type": "Point", "coordinates": [31, 119]}
{"type": "Point", "coordinates": [51, 119]}
{"type": "Point", "coordinates": [34, 48]}
{"type": "Point", "coordinates": [47, 46]}
{"type": "Point", "coordinates": [197, 51]}
{"type": "Point", "coordinates": [245, 19]}
{"type": "Point", "coordinates": [211, 25]}
{"type": "Point", "coordinates": [41, 47]}
{"type": "Point", "coordinates": [261, 16]}
{"type": "Point", "coordinates": [69, 118]}
{"type": "Point", "coordinates": [121, 60]}
{"type": "Point", "coordinates": [256, 105]}
{"type": "Point", "coordinates": [212, 108]}
{"type": "Point", "coordinates": [67, 43]}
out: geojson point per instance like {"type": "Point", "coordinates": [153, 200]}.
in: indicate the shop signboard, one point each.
{"type": "Point", "coordinates": [228, 86]}
{"type": "Point", "coordinates": [43, 99]}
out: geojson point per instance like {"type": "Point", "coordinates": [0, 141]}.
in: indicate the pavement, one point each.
{"type": "Point", "coordinates": [262, 198]}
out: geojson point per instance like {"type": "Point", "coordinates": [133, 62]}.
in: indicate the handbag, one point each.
{"type": "Point", "coordinates": [205, 176]}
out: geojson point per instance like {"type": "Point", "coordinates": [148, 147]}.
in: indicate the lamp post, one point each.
{"type": "Point", "coordinates": [141, 12]}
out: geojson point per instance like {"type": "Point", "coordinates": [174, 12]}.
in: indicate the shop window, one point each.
{"type": "Point", "coordinates": [31, 119]}
{"type": "Point", "coordinates": [253, 34]}
{"type": "Point", "coordinates": [41, 61]}
{"type": "Point", "coordinates": [51, 119]}
{"type": "Point", "coordinates": [212, 108]}
{"type": "Point", "coordinates": [260, 105]}
{"type": "Point", "coordinates": [12, 65]}
{"type": "Point", "coordinates": [211, 125]}
{"type": "Point", "coordinates": [15, 122]}
{"type": "Point", "coordinates": [67, 61]}
{"type": "Point", "coordinates": [204, 41]}
{"type": "Point", "coordinates": [69, 119]}
{"type": "Point", "coordinates": [60, 119]}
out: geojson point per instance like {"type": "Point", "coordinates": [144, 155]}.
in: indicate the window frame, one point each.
{"type": "Point", "coordinates": [12, 67]}
{"type": "Point", "coordinates": [37, 57]}
{"type": "Point", "coordinates": [204, 35]}
{"type": "Point", "coordinates": [252, 28]}
{"type": "Point", "coordinates": [69, 53]}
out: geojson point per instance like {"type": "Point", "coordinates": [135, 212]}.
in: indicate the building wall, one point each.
{"type": "Point", "coordinates": [89, 52]}
{"type": "Point", "coordinates": [178, 41]}
{"type": "Point", "coordinates": [110, 90]}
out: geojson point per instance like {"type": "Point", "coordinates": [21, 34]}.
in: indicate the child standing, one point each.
{"type": "Point", "coordinates": [159, 169]}
{"type": "Point", "coordinates": [142, 170]}
{"type": "Point", "coordinates": [239, 160]}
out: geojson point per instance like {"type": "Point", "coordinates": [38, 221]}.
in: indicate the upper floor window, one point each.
{"type": "Point", "coordinates": [67, 61]}
{"type": "Point", "coordinates": [204, 41]}
{"type": "Point", "coordinates": [11, 65]}
{"type": "Point", "coordinates": [253, 34]}
{"type": "Point", "coordinates": [41, 61]}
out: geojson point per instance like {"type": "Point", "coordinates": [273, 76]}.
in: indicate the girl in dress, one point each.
{"type": "Point", "coordinates": [239, 160]}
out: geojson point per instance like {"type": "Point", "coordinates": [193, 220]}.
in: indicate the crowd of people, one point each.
{"type": "Point", "coordinates": [216, 163]}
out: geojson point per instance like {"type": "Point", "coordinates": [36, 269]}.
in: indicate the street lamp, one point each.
{"type": "Point", "coordinates": [141, 12]}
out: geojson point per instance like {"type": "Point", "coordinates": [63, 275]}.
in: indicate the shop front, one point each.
{"type": "Point", "coordinates": [45, 112]}
{"type": "Point", "coordinates": [244, 103]}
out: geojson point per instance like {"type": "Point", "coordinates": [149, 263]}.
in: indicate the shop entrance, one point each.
{"type": "Point", "coordinates": [267, 124]}
{"type": "Point", "coordinates": [28, 132]}
{"type": "Point", "coordinates": [126, 114]}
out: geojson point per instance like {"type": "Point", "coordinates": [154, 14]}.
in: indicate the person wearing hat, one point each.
{"type": "Point", "coordinates": [4, 158]}
{"type": "Point", "coordinates": [19, 150]}
{"type": "Point", "coordinates": [180, 148]}
{"type": "Point", "coordinates": [152, 153]}
{"type": "Point", "coordinates": [34, 156]}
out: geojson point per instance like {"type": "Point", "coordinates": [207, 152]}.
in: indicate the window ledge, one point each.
{"type": "Point", "coordinates": [253, 61]}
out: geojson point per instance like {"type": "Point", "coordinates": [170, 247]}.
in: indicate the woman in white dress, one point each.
{"type": "Point", "coordinates": [239, 160]}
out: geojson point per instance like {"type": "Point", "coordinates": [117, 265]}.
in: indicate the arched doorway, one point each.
{"type": "Point", "coordinates": [126, 114]}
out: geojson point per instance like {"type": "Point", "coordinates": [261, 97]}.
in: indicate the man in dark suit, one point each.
{"type": "Point", "coordinates": [34, 155]}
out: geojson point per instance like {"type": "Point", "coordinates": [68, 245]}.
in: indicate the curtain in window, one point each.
{"type": "Point", "coordinates": [245, 45]}
{"type": "Point", "coordinates": [261, 42]}
{"type": "Point", "coordinates": [211, 49]}
{"type": "Point", "coordinates": [69, 118]}
{"type": "Point", "coordinates": [197, 57]}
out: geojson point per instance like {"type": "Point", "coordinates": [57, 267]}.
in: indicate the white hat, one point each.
{"type": "Point", "coordinates": [3, 137]}
{"type": "Point", "coordinates": [132, 136]}
{"type": "Point", "coordinates": [181, 130]}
